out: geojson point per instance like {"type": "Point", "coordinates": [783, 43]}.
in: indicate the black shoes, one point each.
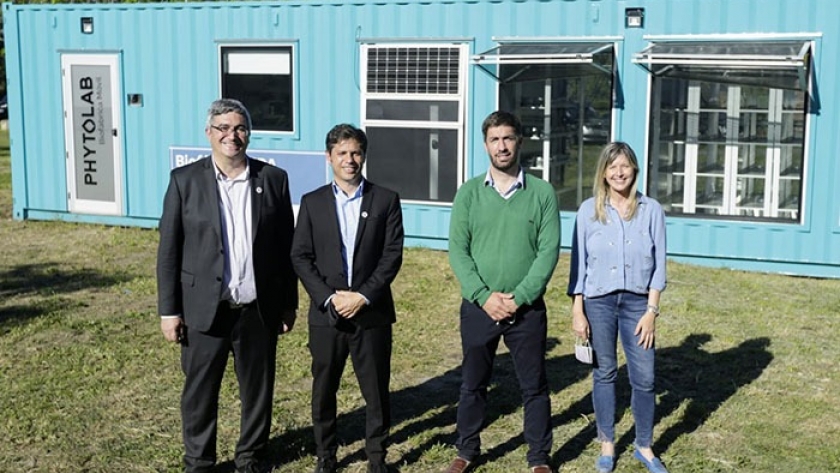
{"type": "Point", "coordinates": [378, 468]}
{"type": "Point", "coordinates": [252, 467]}
{"type": "Point", "coordinates": [326, 465]}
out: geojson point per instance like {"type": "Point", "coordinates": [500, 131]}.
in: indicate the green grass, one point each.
{"type": "Point", "coordinates": [747, 369]}
{"type": "Point", "coordinates": [5, 177]}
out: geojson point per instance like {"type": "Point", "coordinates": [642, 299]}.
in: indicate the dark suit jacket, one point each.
{"type": "Point", "coordinates": [316, 253]}
{"type": "Point", "coordinates": [190, 266]}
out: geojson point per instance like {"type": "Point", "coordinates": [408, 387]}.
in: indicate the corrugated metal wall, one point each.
{"type": "Point", "coordinates": [169, 53]}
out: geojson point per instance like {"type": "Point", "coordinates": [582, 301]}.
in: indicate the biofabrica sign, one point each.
{"type": "Point", "coordinates": [307, 170]}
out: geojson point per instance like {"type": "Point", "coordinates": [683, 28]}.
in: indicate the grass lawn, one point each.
{"type": "Point", "coordinates": [747, 369]}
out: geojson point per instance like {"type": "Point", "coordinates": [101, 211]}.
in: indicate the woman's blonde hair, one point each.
{"type": "Point", "coordinates": [600, 188]}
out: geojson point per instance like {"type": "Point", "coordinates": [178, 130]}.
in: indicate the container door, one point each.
{"type": "Point", "coordinates": [92, 128]}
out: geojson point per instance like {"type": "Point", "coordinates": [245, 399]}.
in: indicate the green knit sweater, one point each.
{"type": "Point", "coordinates": [498, 245]}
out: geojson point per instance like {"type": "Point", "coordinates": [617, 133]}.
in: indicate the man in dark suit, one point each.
{"type": "Point", "coordinates": [347, 250]}
{"type": "Point", "coordinates": [226, 284]}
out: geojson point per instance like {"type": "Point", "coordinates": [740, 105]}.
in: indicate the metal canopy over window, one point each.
{"type": "Point", "coordinates": [773, 64]}
{"type": "Point", "coordinates": [521, 61]}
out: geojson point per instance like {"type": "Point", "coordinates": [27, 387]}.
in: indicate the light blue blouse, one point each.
{"type": "Point", "coordinates": [618, 255]}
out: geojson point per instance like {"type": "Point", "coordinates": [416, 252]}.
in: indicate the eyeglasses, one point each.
{"type": "Point", "coordinates": [240, 130]}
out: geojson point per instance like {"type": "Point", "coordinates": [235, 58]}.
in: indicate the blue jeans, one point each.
{"type": "Point", "coordinates": [611, 316]}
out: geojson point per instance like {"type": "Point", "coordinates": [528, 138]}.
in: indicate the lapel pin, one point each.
{"type": "Point", "coordinates": [364, 214]}
{"type": "Point", "coordinates": [259, 190]}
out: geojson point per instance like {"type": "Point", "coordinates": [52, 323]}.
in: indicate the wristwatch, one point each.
{"type": "Point", "coordinates": [654, 309]}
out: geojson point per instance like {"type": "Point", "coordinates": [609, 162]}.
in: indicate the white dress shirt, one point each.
{"type": "Point", "coordinates": [235, 209]}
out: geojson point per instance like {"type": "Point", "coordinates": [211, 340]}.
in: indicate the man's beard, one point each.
{"type": "Point", "coordinates": [505, 166]}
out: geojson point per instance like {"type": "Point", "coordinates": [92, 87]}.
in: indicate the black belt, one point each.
{"type": "Point", "coordinates": [235, 306]}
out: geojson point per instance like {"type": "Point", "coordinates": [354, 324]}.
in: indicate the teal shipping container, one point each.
{"type": "Point", "coordinates": [728, 103]}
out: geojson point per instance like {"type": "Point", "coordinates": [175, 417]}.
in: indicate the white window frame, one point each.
{"type": "Point", "coordinates": [461, 97]}
{"type": "Point", "coordinates": [648, 61]}
{"type": "Point", "coordinates": [259, 63]}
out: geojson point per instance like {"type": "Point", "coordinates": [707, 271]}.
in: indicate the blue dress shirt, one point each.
{"type": "Point", "coordinates": [347, 208]}
{"type": "Point", "coordinates": [618, 255]}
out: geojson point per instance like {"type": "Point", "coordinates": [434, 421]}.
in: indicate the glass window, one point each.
{"type": "Point", "coordinates": [727, 126]}
{"type": "Point", "coordinates": [720, 149]}
{"type": "Point", "coordinates": [413, 113]}
{"type": "Point", "coordinates": [562, 92]}
{"type": "Point", "coordinates": [412, 110]}
{"type": "Point", "coordinates": [426, 169]}
{"type": "Point", "coordinates": [775, 64]}
{"type": "Point", "coordinates": [261, 77]}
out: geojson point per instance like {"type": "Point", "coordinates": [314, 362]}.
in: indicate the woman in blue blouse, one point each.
{"type": "Point", "coordinates": [617, 275]}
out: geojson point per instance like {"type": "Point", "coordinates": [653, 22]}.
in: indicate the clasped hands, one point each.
{"type": "Point", "coordinates": [500, 306]}
{"type": "Point", "coordinates": [348, 303]}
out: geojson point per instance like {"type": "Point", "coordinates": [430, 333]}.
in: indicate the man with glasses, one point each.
{"type": "Point", "coordinates": [226, 284]}
{"type": "Point", "coordinates": [504, 241]}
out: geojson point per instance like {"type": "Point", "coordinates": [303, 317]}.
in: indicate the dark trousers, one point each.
{"type": "Point", "coordinates": [370, 351]}
{"type": "Point", "coordinates": [526, 339]}
{"type": "Point", "coordinates": [204, 358]}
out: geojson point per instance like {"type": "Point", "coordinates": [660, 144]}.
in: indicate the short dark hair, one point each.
{"type": "Point", "coordinates": [223, 106]}
{"type": "Point", "coordinates": [345, 131]}
{"type": "Point", "coordinates": [501, 118]}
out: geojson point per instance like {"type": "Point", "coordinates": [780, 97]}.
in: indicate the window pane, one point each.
{"type": "Point", "coordinates": [712, 126]}
{"type": "Point", "coordinates": [752, 160]}
{"type": "Point", "coordinates": [713, 95]}
{"type": "Point", "coordinates": [668, 178]}
{"type": "Point", "coordinates": [261, 78]}
{"type": "Point", "coordinates": [777, 64]}
{"type": "Point", "coordinates": [420, 164]}
{"type": "Point", "coordinates": [751, 183]}
{"type": "Point", "coordinates": [790, 188]}
{"type": "Point", "coordinates": [575, 185]}
{"type": "Point", "coordinates": [711, 159]}
{"type": "Point", "coordinates": [407, 89]}
{"type": "Point", "coordinates": [750, 197]}
{"type": "Point", "coordinates": [789, 205]}
{"type": "Point", "coordinates": [412, 110]}
{"type": "Point", "coordinates": [671, 193]}
{"type": "Point", "coordinates": [747, 143]}
{"type": "Point", "coordinates": [709, 196]}
{"type": "Point", "coordinates": [567, 121]}
{"type": "Point", "coordinates": [413, 70]}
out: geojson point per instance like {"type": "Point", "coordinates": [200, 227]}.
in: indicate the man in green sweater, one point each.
{"type": "Point", "coordinates": [504, 240]}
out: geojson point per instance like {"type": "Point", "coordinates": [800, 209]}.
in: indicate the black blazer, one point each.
{"type": "Point", "coordinates": [190, 266]}
{"type": "Point", "coordinates": [316, 253]}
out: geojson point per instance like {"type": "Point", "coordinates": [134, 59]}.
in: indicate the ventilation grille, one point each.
{"type": "Point", "coordinates": [413, 70]}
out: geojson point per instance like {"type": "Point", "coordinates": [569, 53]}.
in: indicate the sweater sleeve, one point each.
{"type": "Point", "coordinates": [463, 265]}
{"type": "Point", "coordinates": [548, 251]}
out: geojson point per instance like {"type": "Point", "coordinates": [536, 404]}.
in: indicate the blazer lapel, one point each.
{"type": "Point", "coordinates": [256, 196]}
{"type": "Point", "coordinates": [327, 230]}
{"type": "Point", "coordinates": [210, 188]}
{"type": "Point", "coordinates": [364, 212]}
{"type": "Point", "coordinates": [330, 208]}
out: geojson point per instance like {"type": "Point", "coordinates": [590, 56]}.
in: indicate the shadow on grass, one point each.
{"type": "Point", "coordinates": [411, 409]}
{"type": "Point", "coordinates": [47, 280]}
{"type": "Point", "coordinates": [685, 374]}
{"type": "Point", "coordinates": [503, 398]}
